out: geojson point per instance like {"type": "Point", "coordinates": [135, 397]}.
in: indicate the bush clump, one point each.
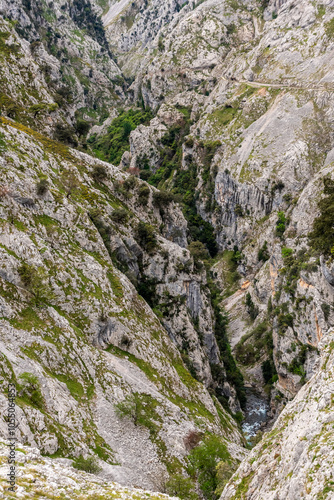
{"type": "Point", "coordinates": [189, 142]}
{"type": "Point", "coordinates": [252, 309]}
{"type": "Point", "coordinates": [130, 182]}
{"type": "Point", "coordinates": [162, 198]}
{"type": "Point", "coordinates": [285, 321]}
{"type": "Point", "coordinates": [42, 186]}
{"type": "Point", "coordinates": [69, 181]}
{"type": "Point", "coordinates": [326, 309]}
{"type": "Point", "coordinates": [120, 215]}
{"type": "Point", "coordinates": [203, 461]}
{"type": "Point", "coordinates": [322, 237]}
{"type": "Point", "coordinates": [198, 251]}
{"type": "Point", "coordinates": [330, 29]}
{"type": "Point", "coordinates": [29, 390]}
{"type": "Point", "coordinates": [277, 186]}
{"type": "Point", "coordinates": [99, 173]}
{"type": "Point", "coordinates": [65, 134]}
{"type": "Point", "coordinates": [89, 464]}
{"type": "Point", "coordinates": [280, 224]}
{"type": "Point", "coordinates": [146, 237]}
{"type": "Point", "coordinates": [192, 440]}
{"type": "Point", "coordinates": [224, 471]}
{"type": "Point", "coordinates": [294, 263]}
{"type": "Point", "coordinates": [238, 210]}
{"type": "Point", "coordinates": [251, 346]}
{"type": "Point", "coordinates": [82, 127]}
{"type": "Point", "coordinates": [297, 364]}
{"type": "Point", "coordinates": [263, 253]}
{"type": "Point", "coordinates": [129, 408]}
{"type": "Point", "coordinates": [141, 409]}
{"type": "Point", "coordinates": [143, 195]}
{"type": "Point", "coordinates": [182, 487]}
{"type": "Point", "coordinates": [269, 371]}
{"type": "Point", "coordinates": [35, 279]}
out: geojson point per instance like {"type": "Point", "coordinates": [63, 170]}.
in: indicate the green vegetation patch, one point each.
{"type": "Point", "coordinates": [141, 409]}
{"type": "Point", "coordinates": [36, 281]}
{"type": "Point", "coordinates": [111, 146]}
{"type": "Point", "coordinates": [223, 116]}
{"type": "Point", "coordinates": [281, 224]}
{"type": "Point", "coordinates": [322, 236]}
{"type": "Point", "coordinates": [10, 106]}
{"type": "Point", "coordinates": [185, 375]}
{"type": "Point", "coordinates": [329, 28]}
{"type": "Point", "coordinates": [8, 49]}
{"type": "Point", "coordinates": [203, 461]}
{"type": "Point", "coordinates": [182, 487]}
{"type": "Point", "coordinates": [3, 145]}
{"type": "Point", "coordinates": [243, 486]}
{"type": "Point", "coordinates": [146, 237]}
{"type": "Point", "coordinates": [46, 221]}
{"type": "Point", "coordinates": [297, 364]}
{"type": "Point", "coordinates": [89, 464]}
{"type": "Point", "coordinates": [51, 146]}
{"type": "Point", "coordinates": [294, 263]}
{"type": "Point", "coordinates": [75, 387]}
{"type": "Point", "coordinates": [28, 319]}
{"type": "Point", "coordinates": [115, 284]}
{"type": "Point", "coordinates": [231, 276]}
{"type": "Point", "coordinates": [29, 390]}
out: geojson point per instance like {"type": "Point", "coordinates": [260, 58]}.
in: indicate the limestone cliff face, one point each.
{"type": "Point", "coordinates": [64, 71]}
{"type": "Point", "coordinates": [258, 91]}
{"type": "Point", "coordinates": [264, 90]}
{"type": "Point", "coordinates": [295, 459]}
{"type": "Point", "coordinates": [76, 324]}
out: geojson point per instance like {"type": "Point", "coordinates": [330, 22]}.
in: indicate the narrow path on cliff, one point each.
{"type": "Point", "coordinates": [255, 84]}
{"type": "Point", "coordinates": [280, 86]}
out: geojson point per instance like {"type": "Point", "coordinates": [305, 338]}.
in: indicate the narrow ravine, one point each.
{"type": "Point", "coordinates": [256, 413]}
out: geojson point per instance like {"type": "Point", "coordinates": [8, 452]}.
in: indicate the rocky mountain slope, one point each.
{"type": "Point", "coordinates": [295, 459]}
{"type": "Point", "coordinates": [41, 477]}
{"type": "Point", "coordinates": [123, 287]}
{"type": "Point", "coordinates": [58, 74]}
{"type": "Point", "coordinates": [76, 336]}
{"type": "Point", "coordinates": [263, 87]}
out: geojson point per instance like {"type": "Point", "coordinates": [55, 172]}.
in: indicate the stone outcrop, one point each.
{"type": "Point", "coordinates": [328, 275]}
{"type": "Point", "coordinates": [42, 476]}
{"type": "Point", "coordinates": [295, 459]}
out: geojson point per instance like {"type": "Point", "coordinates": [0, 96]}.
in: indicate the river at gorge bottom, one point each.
{"type": "Point", "coordinates": [256, 413]}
